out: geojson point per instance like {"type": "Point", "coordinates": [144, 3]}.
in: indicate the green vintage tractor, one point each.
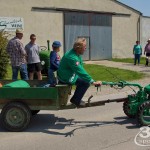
{"type": "Point", "coordinates": [137, 105]}
{"type": "Point", "coordinates": [45, 58]}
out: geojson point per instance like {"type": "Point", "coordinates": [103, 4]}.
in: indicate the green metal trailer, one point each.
{"type": "Point", "coordinates": [18, 104]}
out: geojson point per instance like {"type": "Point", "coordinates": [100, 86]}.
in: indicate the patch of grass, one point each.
{"type": "Point", "coordinates": [128, 60]}
{"type": "Point", "coordinates": [99, 72]}
{"type": "Point", "coordinates": [9, 73]}
{"type": "Point", "coordinates": [103, 73]}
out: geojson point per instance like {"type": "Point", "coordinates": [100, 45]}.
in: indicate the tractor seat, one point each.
{"type": "Point", "coordinates": [147, 89]}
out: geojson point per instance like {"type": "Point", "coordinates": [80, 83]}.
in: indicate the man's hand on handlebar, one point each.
{"type": "Point", "coordinates": [97, 83]}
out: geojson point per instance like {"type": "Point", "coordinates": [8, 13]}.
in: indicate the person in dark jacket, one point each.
{"type": "Point", "coordinates": [54, 62]}
{"type": "Point", "coordinates": [147, 52]}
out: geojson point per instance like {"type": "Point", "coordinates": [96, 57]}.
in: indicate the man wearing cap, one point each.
{"type": "Point", "coordinates": [71, 71]}
{"type": "Point", "coordinates": [17, 55]}
{"type": "Point", "coordinates": [147, 52]}
{"type": "Point", "coordinates": [54, 62]}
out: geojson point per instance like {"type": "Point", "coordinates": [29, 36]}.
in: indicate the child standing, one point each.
{"type": "Point", "coordinates": [54, 62]}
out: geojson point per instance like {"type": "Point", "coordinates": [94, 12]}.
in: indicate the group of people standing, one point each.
{"type": "Point", "coordinates": [137, 51]}
{"type": "Point", "coordinates": [26, 60]}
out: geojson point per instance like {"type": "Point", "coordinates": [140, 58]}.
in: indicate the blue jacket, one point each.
{"type": "Point", "coordinates": [54, 60]}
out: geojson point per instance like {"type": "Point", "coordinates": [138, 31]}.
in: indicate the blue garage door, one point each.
{"type": "Point", "coordinates": [96, 28]}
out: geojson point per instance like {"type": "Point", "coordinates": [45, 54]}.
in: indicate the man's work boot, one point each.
{"type": "Point", "coordinates": [74, 102]}
{"type": "Point", "coordinates": [82, 104]}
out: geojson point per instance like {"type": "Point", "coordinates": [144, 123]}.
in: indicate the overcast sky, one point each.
{"type": "Point", "coordinates": [142, 5]}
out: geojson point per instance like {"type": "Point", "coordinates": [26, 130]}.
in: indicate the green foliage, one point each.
{"type": "Point", "coordinates": [4, 59]}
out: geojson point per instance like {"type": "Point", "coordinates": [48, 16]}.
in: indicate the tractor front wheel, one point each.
{"type": "Point", "coordinates": [126, 109]}
{"type": "Point", "coordinates": [144, 114]}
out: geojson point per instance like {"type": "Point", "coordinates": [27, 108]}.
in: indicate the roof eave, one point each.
{"type": "Point", "coordinates": [136, 11]}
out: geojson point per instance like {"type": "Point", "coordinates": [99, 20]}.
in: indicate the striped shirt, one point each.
{"type": "Point", "coordinates": [16, 52]}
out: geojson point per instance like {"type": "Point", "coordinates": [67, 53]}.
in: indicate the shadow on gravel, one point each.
{"type": "Point", "coordinates": [50, 124]}
{"type": "Point", "coordinates": [139, 66]}
{"type": "Point", "coordinates": [143, 66]}
{"type": "Point", "coordinates": [129, 122]}
{"type": "Point", "coordinates": [128, 64]}
{"type": "Point", "coordinates": [145, 71]}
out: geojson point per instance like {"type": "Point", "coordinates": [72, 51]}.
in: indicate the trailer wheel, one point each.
{"type": "Point", "coordinates": [34, 112]}
{"type": "Point", "coordinates": [144, 114]}
{"type": "Point", "coordinates": [126, 110]}
{"type": "Point", "coordinates": [15, 116]}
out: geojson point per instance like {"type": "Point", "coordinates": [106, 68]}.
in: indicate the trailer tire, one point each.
{"type": "Point", "coordinates": [140, 115]}
{"type": "Point", "coordinates": [16, 116]}
{"type": "Point", "coordinates": [34, 112]}
{"type": "Point", "coordinates": [126, 110]}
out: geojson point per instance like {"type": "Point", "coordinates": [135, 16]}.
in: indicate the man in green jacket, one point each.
{"type": "Point", "coordinates": [71, 71]}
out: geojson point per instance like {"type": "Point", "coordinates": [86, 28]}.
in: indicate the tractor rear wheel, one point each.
{"type": "Point", "coordinates": [126, 109]}
{"type": "Point", "coordinates": [15, 116]}
{"type": "Point", "coordinates": [144, 114]}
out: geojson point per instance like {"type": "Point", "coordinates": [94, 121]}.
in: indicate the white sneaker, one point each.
{"type": "Point", "coordinates": [82, 103]}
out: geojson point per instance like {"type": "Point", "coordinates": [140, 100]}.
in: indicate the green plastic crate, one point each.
{"type": "Point", "coordinates": [19, 84]}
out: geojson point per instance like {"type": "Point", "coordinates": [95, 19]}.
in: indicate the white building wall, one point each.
{"type": "Point", "coordinates": [145, 30]}
{"type": "Point", "coordinates": [48, 25]}
{"type": "Point", "coordinates": [125, 33]}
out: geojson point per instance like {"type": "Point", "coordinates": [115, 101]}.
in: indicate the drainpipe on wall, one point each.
{"type": "Point", "coordinates": [139, 28]}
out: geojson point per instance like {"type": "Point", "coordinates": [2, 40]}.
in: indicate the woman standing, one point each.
{"type": "Point", "coordinates": [137, 51]}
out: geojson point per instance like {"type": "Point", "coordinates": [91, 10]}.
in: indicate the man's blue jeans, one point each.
{"type": "Point", "coordinates": [23, 72]}
{"type": "Point", "coordinates": [81, 88]}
